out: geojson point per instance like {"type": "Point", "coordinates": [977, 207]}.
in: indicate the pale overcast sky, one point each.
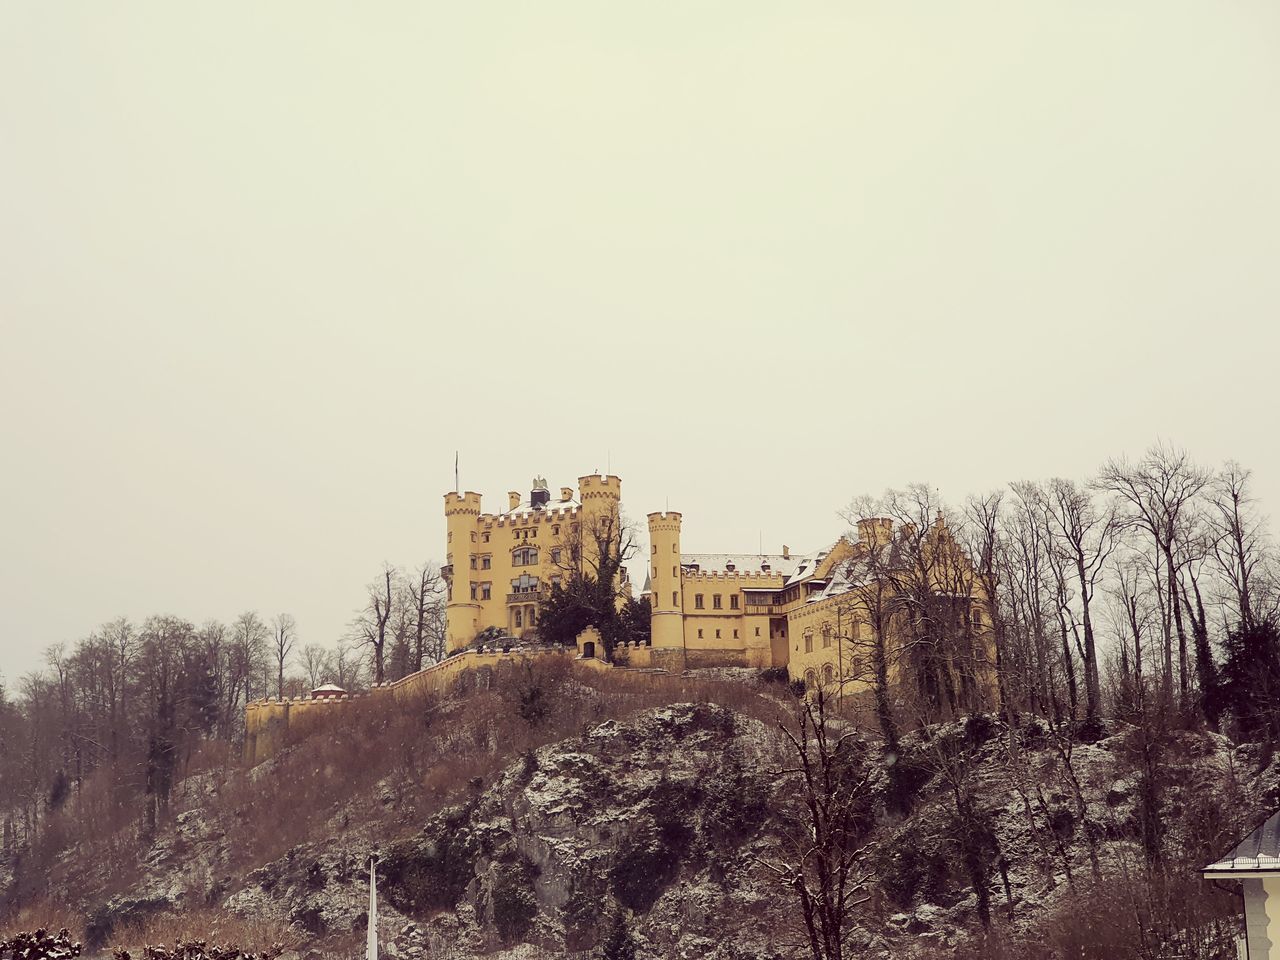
{"type": "Point", "coordinates": [264, 267]}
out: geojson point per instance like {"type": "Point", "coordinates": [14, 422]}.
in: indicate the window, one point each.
{"type": "Point", "coordinates": [717, 634]}
{"type": "Point", "coordinates": [715, 602]}
{"type": "Point", "coordinates": [735, 634]}
{"type": "Point", "coordinates": [828, 674]}
{"type": "Point", "coordinates": [675, 571]}
{"type": "Point", "coordinates": [857, 629]}
{"type": "Point", "coordinates": [555, 532]}
{"type": "Point", "coordinates": [675, 599]}
{"type": "Point", "coordinates": [697, 601]}
{"type": "Point", "coordinates": [555, 581]}
{"type": "Point", "coordinates": [486, 563]}
{"type": "Point", "coordinates": [473, 536]}
{"type": "Point", "coordinates": [485, 538]}
{"type": "Point", "coordinates": [826, 635]}
{"type": "Point", "coordinates": [977, 617]}
{"type": "Point", "coordinates": [808, 643]}
{"type": "Point", "coordinates": [524, 584]}
{"type": "Point", "coordinates": [757, 631]}
{"type": "Point", "coordinates": [810, 679]}
{"type": "Point", "coordinates": [473, 591]}
{"type": "Point", "coordinates": [486, 591]}
{"type": "Point", "coordinates": [673, 548]}
{"type": "Point", "coordinates": [519, 618]}
{"type": "Point", "coordinates": [555, 554]}
{"type": "Point", "coordinates": [655, 548]}
{"type": "Point", "coordinates": [699, 633]}
{"type": "Point", "coordinates": [524, 557]}
{"type": "Point", "coordinates": [473, 562]}
{"type": "Point", "coordinates": [733, 602]}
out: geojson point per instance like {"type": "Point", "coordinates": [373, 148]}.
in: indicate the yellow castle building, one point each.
{"type": "Point", "coordinates": [500, 566]}
{"type": "Point", "coordinates": [817, 615]}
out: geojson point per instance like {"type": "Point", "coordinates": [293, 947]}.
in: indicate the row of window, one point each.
{"type": "Point", "coordinates": [516, 534]}
{"type": "Point", "coordinates": [520, 557]}
{"type": "Point", "coordinates": [735, 633]}
{"type": "Point", "coordinates": [716, 602]}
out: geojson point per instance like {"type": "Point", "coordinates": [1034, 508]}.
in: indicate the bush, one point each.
{"type": "Point", "coordinates": [775, 675]}
{"type": "Point", "coordinates": [513, 903]}
{"type": "Point", "coordinates": [431, 872]}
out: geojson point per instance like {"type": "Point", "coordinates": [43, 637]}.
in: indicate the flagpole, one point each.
{"type": "Point", "coordinates": [371, 941]}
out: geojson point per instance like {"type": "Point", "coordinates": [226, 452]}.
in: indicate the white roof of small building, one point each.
{"type": "Point", "coordinates": [740, 562]}
{"type": "Point", "coordinates": [328, 688]}
{"type": "Point", "coordinates": [1257, 854]}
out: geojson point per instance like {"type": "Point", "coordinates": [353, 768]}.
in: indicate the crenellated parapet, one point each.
{"type": "Point", "coordinates": [664, 522]}
{"type": "Point", "coordinates": [462, 504]}
{"type": "Point", "coordinates": [597, 487]}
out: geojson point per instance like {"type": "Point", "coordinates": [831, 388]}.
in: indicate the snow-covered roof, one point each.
{"type": "Point", "coordinates": [1257, 854]}
{"type": "Point", "coordinates": [740, 562]}
{"type": "Point", "coordinates": [526, 509]}
{"type": "Point", "coordinates": [805, 567]}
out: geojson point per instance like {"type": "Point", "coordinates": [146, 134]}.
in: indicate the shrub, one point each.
{"type": "Point", "coordinates": [431, 872]}
{"type": "Point", "coordinates": [511, 896]}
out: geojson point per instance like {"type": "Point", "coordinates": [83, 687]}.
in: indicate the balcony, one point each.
{"type": "Point", "coordinates": [527, 596]}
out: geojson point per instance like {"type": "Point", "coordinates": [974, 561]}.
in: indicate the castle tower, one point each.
{"type": "Point", "coordinates": [601, 514]}
{"type": "Point", "coordinates": [666, 610]}
{"type": "Point", "coordinates": [461, 512]}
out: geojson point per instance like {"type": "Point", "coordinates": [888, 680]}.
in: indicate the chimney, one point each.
{"type": "Point", "coordinates": [513, 498]}
{"type": "Point", "coordinates": [566, 494]}
{"type": "Point", "coordinates": [786, 552]}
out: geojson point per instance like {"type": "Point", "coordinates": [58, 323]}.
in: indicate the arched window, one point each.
{"type": "Point", "coordinates": [524, 557]}
{"type": "Point", "coordinates": [828, 675]}
{"type": "Point", "coordinates": [810, 679]}
{"type": "Point", "coordinates": [519, 617]}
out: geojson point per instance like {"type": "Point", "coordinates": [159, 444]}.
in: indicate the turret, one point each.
{"type": "Point", "coordinates": [461, 511]}
{"type": "Point", "coordinates": [666, 610]}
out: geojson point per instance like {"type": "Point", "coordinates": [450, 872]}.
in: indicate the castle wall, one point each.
{"type": "Point", "coordinates": [269, 723]}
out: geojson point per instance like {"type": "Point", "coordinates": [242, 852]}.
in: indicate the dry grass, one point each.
{"type": "Point", "coordinates": [212, 925]}
{"type": "Point", "coordinates": [425, 751]}
{"type": "Point", "coordinates": [45, 914]}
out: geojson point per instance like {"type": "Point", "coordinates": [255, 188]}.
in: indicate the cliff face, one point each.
{"type": "Point", "coordinates": [662, 817]}
{"type": "Point", "coordinates": [660, 814]}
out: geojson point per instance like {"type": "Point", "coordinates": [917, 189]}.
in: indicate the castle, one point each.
{"type": "Point", "coordinates": [813, 615]}
{"type": "Point", "coordinates": [834, 619]}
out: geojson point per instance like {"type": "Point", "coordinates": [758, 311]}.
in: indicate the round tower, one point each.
{"type": "Point", "coordinates": [666, 608]}
{"type": "Point", "coordinates": [461, 512]}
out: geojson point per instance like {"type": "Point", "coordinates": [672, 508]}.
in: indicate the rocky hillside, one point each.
{"type": "Point", "coordinates": [538, 841]}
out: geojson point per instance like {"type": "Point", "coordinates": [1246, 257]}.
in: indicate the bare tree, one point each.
{"type": "Point", "coordinates": [347, 667]}
{"type": "Point", "coordinates": [427, 597]}
{"type": "Point", "coordinates": [317, 662]}
{"type": "Point", "coordinates": [1241, 547]}
{"type": "Point", "coordinates": [370, 625]}
{"type": "Point", "coordinates": [827, 786]}
{"type": "Point", "coordinates": [1159, 492]}
{"type": "Point", "coordinates": [284, 636]}
{"type": "Point", "coordinates": [249, 637]}
{"type": "Point", "coordinates": [1084, 537]}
